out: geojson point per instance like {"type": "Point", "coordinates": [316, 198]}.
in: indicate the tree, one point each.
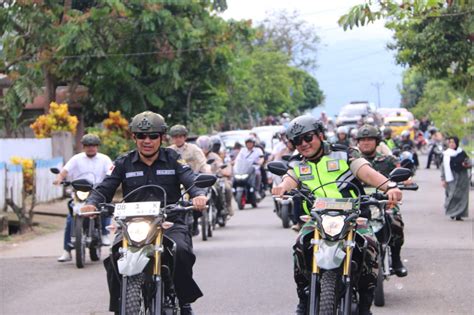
{"type": "Point", "coordinates": [293, 36]}
{"type": "Point", "coordinates": [412, 87]}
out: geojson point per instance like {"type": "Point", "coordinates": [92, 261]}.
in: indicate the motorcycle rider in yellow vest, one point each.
{"type": "Point", "coordinates": [320, 163]}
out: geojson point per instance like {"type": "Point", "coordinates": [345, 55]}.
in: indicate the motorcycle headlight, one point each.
{"type": "Point", "coordinates": [375, 212]}
{"type": "Point", "coordinates": [332, 225]}
{"type": "Point", "coordinates": [138, 231]}
{"type": "Point", "coordinates": [241, 176]}
{"type": "Point", "coordinates": [82, 195]}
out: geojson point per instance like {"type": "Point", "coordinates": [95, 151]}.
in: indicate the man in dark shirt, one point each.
{"type": "Point", "coordinates": [151, 164]}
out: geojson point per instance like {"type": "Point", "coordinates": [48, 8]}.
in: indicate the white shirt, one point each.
{"type": "Point", "coordinates": [93, 169]}
{"type": "Point", "coordinates": [251, 156]}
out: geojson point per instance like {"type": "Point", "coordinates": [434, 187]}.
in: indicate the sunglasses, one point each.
{"type": "Point", "coordinates": [308, 137]}
{"type": "Point", "coordinates": [143, 136]}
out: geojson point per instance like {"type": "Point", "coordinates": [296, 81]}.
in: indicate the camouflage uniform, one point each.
{"type": "Point", "coordinates": [384, 164]}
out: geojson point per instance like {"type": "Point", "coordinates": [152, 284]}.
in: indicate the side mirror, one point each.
{"type": "Point", "coordinates": [205, 180]}
{"type": "Point", "coordinates": [407, 163]}
{"type": "Point", "coordinates": [82, 185]}
{"type": "Point", "coordinates": [286, 157]}
{"type": "Point", "coordinates": [400, 174]}
{"type": "Point", "coordinates": [277, 168]}
{"type": "Point", "coordinates": [396, 152]}
{"type": "Point", "coordinates": [54, 170]}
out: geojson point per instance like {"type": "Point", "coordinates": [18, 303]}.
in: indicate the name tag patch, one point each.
{"type": "Point", "coordinates": [133, 174]}
{"type": "Point", "coordinates": [306, 177]}
{"type": "Point", "coordinates": [305, 169]}
{"type": "Point", "coordinates": [165, 172]}
{"type": "Point", "coordinates": [332, 165]}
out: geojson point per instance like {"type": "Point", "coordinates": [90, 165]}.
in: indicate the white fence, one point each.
{"type": "Point", "coordinates": [11, 182]}
{"type": "Point", "coordinates": [25, 148]}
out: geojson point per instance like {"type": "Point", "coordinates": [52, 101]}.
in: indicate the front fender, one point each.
{"type": "Point", "coordinates": [330, 255]}
{"type": "Point", "coordinates": [132, 263]}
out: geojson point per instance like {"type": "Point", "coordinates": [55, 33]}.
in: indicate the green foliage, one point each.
{"type": "Point", "coordinates": [446, 108]}
{"type": "Point", "coordinates": [412, 87]}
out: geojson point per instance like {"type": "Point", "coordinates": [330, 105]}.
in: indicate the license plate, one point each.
{"type": "Point", "coordinates": [333, 203]}
{"type": "Point", "coordinates": [133, 209]}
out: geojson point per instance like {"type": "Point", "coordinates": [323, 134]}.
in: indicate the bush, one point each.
{"type": "Point", "coordinates": [58, 119]}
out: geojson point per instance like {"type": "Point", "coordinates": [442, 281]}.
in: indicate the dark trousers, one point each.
{"type": "Point", "coordinates": [186, 288]}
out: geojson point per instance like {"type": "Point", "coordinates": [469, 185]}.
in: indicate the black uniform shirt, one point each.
{"type": "Point", "coordinates": [168, 171]}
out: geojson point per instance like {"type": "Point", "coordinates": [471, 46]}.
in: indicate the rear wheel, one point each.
{"type": "Point", "coordinates": [134, 300]}
{"type": "Point", "coordinates": [327, 304]}
{"type": "Point", "coordinates": [80, 243]}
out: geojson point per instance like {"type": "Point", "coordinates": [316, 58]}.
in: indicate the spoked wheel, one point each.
{"type": "Point", "coordinates": [80, 243]}
{"type": "Point", "coordinates": [379, 297]}
{"type": "Point", "coordinates": [204, 224]}
{"type": "Point", "coordinates": [134, 300]}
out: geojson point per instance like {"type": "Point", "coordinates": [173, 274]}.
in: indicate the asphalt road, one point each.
{"type": "Point", "coordinates": [246, 268]}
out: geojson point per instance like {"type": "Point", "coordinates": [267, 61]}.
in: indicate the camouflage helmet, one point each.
{"type": "Point", "coordinates": [178, 130]}
{"type": "Point", "coordinates": [368, 131]}
{"type": "Point", "coordinates": [90, 139]}
{"type": "Point", "coordinates": [148, 122]}
{"type": "Point", "coordinates": [301, 125]}
{"type": "Point", "coordinates": [387, 131]}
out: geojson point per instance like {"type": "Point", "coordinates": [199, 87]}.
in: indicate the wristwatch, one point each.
{"type": "Point", "coordinates": [391, 185]}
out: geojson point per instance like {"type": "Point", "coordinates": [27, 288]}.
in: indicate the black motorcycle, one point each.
{"type": "Point", "coordinates": [244, 192]}
{"type": "Point", "coordinates": [86, 231]}
{"type": "Point", "coordinates": [335, 252]}
{"type": "Point", "coordinates": [147, 256]}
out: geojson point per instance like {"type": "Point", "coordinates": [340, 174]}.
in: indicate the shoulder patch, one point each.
{"type": "Point", "coordinates": [110, 170]}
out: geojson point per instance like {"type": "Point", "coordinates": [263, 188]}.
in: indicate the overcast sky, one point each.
{"type": "Point", "coordinates": [350, 63]}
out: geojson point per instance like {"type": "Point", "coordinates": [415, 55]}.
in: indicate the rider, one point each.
{"type": "Point", "coordinates": [343, 136]}
{"type": "Point", "coordinates": [152, 164]}
{"type": "Point", "coordinates": [207, 144]}
{"type": "Point", "coordinates": [406, 144]}
{"type": "Point", "coordinates": [320, 164]}
{"type": "Point", "coordinates": [91, 165]}
{"type": "Point", "coordinates": [387, 134]}
{"type": "Point", "coordinates": [188, 151]}
{"type": "Point", "coordinates": [368, 138]}
{"type": "Point", "coordinates": [254, 155]}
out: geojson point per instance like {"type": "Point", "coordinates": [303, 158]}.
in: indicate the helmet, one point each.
{"type": "Point", "coordinates": [215, 144]}
{"type": "Point", "coordinates": [341, 129]}
{"type": "Point", "coordinates": [387, 131]}
{"type": "Point", "coordinates": [90, 139]}
{"type": "Point", "coordinates": [178, 130]}
{"type": "Point", "coordinates": [353, 132]}
{"type": "Point", "coordinates": [250, 139]}
{"type": "Point", "coordinates": [301, 125]}
{"type": "Point", "coordinates": [204, 142]}
{"type": "Point", "coordinates": [405, 133]}
{"type": "Point", "coordinates": [148, 122]}
{"type": "Point", "coordinates": [368, 131]}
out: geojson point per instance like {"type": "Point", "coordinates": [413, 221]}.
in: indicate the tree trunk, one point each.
{"type": "Point", "coordinates": [50, 88]}
{"type": "Point", "coordinates": [20, 213]}
{"type": "Point", "coordinates": [188, 103]}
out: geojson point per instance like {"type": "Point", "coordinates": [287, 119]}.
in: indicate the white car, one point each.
{"type": "Point", "coordinates": [266, 134]}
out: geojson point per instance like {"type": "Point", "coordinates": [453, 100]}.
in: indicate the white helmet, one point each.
{"type": "Point", "coordinates": [204, 142]}
{"type": "Point", "coordinates": [342, 129]}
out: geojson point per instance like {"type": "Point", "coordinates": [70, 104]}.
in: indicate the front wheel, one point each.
{"type": "Point", "coordinates": [285, 216]}
{"type": "Point", "coordinates": [204, 224]}
{"type": "Point", "coordinates": [327, 304]}
{"type": "Point", "coordinates": [239, 197]}
{"type": "Point", "coordinates": [79, 244]}
{"type": "Point", "coordinates": [379, 297]}
{"type": "Point", "coordinates": [134, 300]}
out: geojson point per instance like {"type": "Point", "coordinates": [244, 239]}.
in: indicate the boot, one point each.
{"type": "Point", "coordinates": [186, 309]}
{"type": "Point", "coordinates": [366, 296]}
{"type": "Point", "coordinates": [303, 301]}
{"type": "Point", "coordinates": [397, 264]}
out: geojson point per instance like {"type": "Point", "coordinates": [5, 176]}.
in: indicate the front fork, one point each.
{"type": "Point", "coordinates": [315, 275]}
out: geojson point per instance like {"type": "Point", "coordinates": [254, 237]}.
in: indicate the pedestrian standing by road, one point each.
{"type": "Point", "coordinates": [455, 180]}
{"type": "Point", "coordinates": [152, 164]}
{"type": "Point", "coordinates": [90, 165]}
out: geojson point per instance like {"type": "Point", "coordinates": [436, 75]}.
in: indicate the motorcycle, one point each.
{"type": "Point", "coordinates": [438, 154]}
{"type": "Point", "coordinates": [336, 247]}
{"type": "Point", "coordinates": [381, 225]}
{"type": "Point", "coordinates": [244, 192]}
{"type": "Point", "coordinates": [406, 159]}
{"type": "Point", "coordinates": [86, 231]}
{"type": "Point", "coordinates": [147, 256]}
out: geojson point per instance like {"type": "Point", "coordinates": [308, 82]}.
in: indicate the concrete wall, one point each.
{"type": "Point", "coordinates": [25, 148]}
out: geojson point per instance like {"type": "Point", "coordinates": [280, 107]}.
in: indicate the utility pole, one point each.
{"type": "Point", "coordinates": [378, 85]}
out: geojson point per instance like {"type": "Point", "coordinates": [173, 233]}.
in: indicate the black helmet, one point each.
{"type": "Point", "coordinates": [387, 131]}
{"type": "Point", "coordinates": [301, 125]}
{"type": "Point", "coordinates": [148, 122]}
{"type": "Point", "coordinates": [215, 144]}
{"type": "Point", "coordinates": [178, 130]}
{"type": "Point", "coordinates": [90, 139]}
{"type": "Point", "coordinates": [368, 131]}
